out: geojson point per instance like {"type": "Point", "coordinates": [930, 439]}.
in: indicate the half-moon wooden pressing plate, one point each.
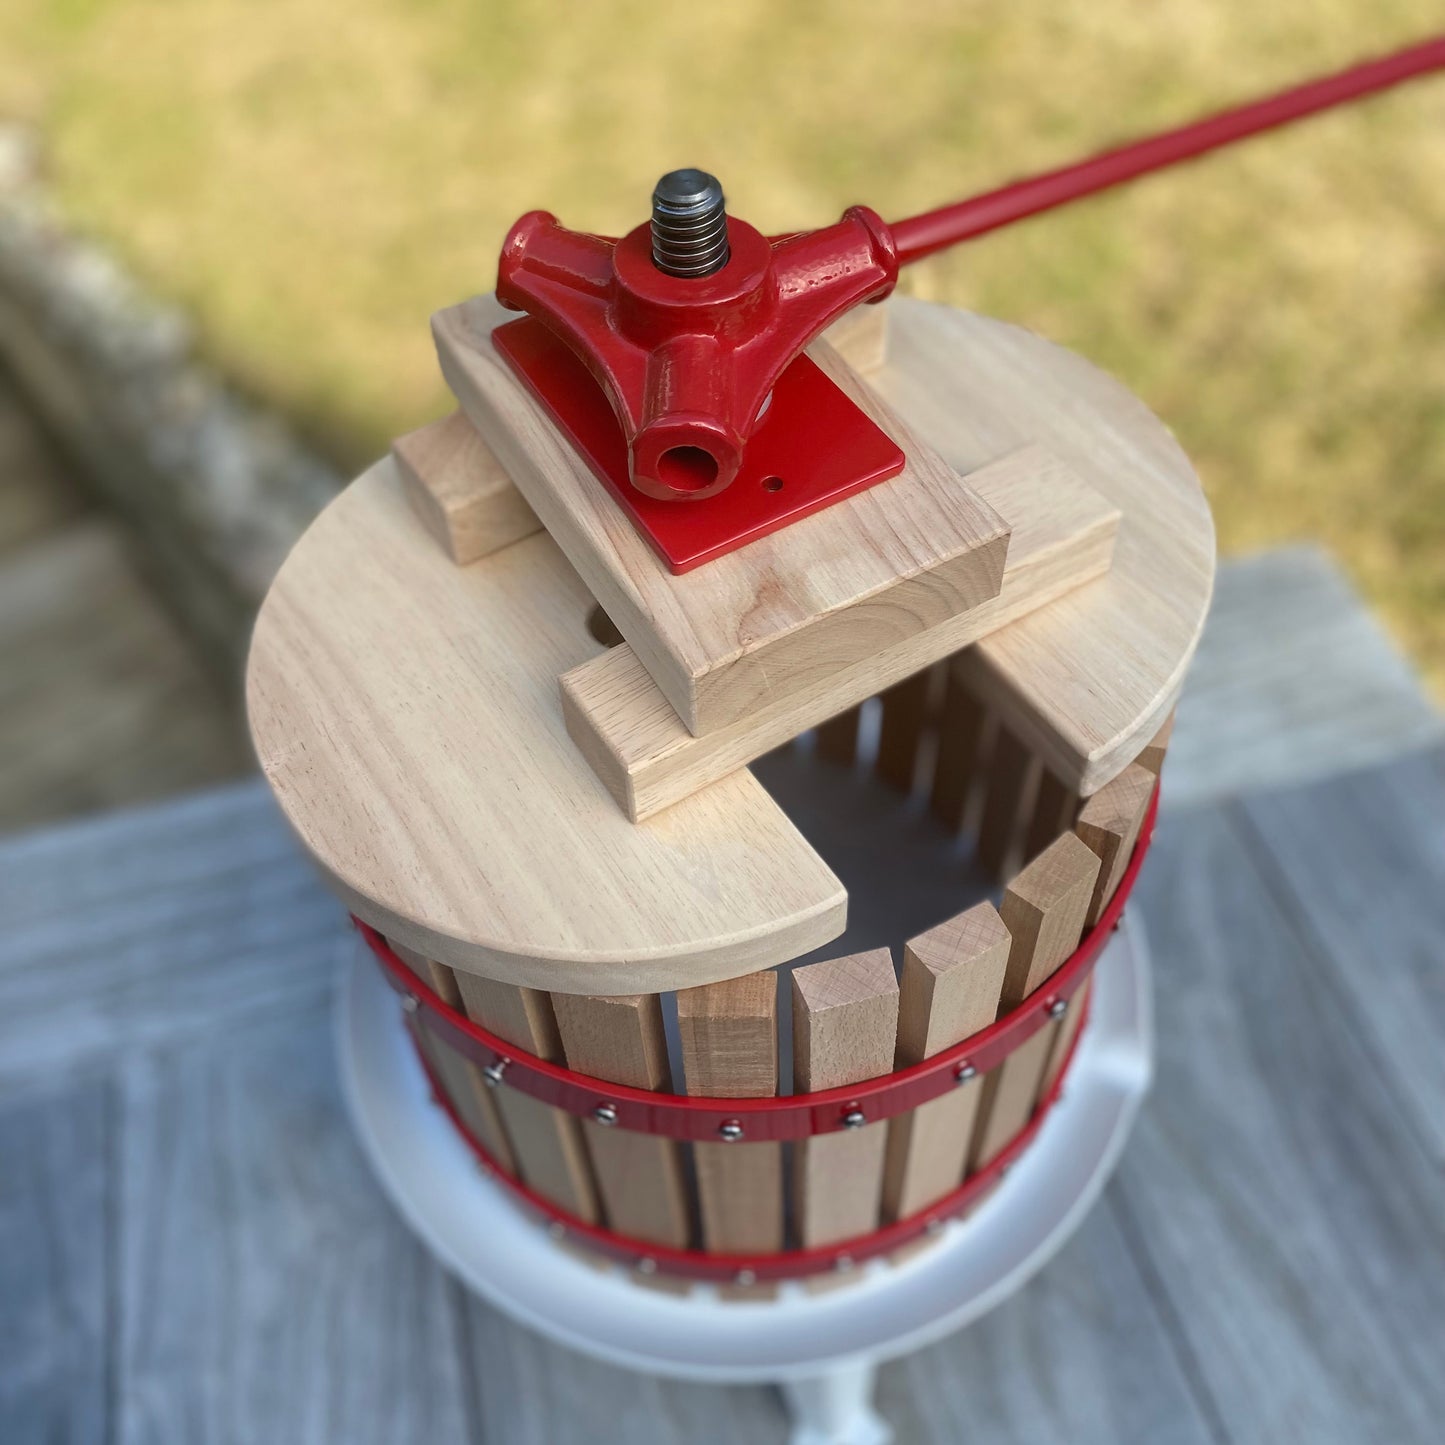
{"type": "Point", "coordinates": [1088, 680]}
{"type": "Point", "coordinates": [406, 713]}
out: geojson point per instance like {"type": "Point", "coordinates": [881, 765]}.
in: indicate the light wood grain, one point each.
{"type": "Point", "coordinates": [905, 707]}
{"type": "Point", "coordinates": [860, 337]}
{"type": "Point", "coordinates": [949, 989]}
{"type": "Point", "coordinates": [469, 1096]}
{"type": "Point", "coordinates": [460, 491]}
{"type": "Point", "coordinates": [845, 1025]}
{"type": "Point", "coordinates": [775, 616]}
{"type": "Point", "coordinates": [729, 1034]}
{"type": "Point", "coordinates": [1089, 682]}
{"type": "Point", "coordinates": [1109, 823]}
{"type": "Point", "coordinates": [404, 711]}
{"type": "Point", "coordinates": [1009, 784]}
{"type": "Point", "coordinates": [639, 1176]}
{"type": "Point", "coordinates": [1056, 805]}
{"type": "Point", "coordinates": [1044, 909]}
{"type": "Point", "coordinates": [1063, 537]}
{"type": "Point", "coordinates": [1154, 751]}
{"type": "Point", "coordinates": [960, 735]}
{"type": "Point", "coordinates": [547, 1147]}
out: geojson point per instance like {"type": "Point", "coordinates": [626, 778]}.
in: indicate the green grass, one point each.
{"type": "Point", "coordinates": [313, 178]}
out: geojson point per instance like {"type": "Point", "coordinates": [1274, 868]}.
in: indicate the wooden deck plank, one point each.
{"type": "Point", "coordinates": [145, 927]}
{"type": "Point", "coordinates": [54, 1267]}
{"type": "Point", "coordinates": [1082, 1355]}
{"type": "Point", "coordinates": [1285, 1207]}
{"type": "Point", "coordinates": [267, 1290]}
{"type": "Point", "coordinates": [1360, 864]}
{"type": "Point", "coordinates": [1293, 680]}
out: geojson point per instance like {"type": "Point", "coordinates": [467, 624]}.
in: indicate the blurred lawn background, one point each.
{"type": "Point", "coordinates": [312, 178]}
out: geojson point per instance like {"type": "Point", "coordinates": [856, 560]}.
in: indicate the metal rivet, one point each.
{"type": "Point", "coordinates": [410, 1003]}
{"type": "Point", "coordinates": [745, 1277]}
{"type": "Point", "coordinates": [557, 1229]}
{"type": "Point", "coordinates": [843, 1263]}
{"type": "Point", "coordinates": [934, 1226]}
{"type": "Point", "coordinates": [964, 1072]}
{"type": "Point", "coordinates": [646, 1265]}
{"type": "Point", "coordinates": [1058, 1008]}
{"type": "Point", "coordinates": [854, 1118]}
{"type": "Point", "coordinates": [605, 1114]}
{"type": "Point", "coordinates": [730, 1131]}
{"type": "Point", "coordinates": [494, 1071]}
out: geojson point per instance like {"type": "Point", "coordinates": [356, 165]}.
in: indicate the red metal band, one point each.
{"type": "Point", "coordinates": [746, 1269]}
{"type": "Point", "coordinates": [791, 1116]}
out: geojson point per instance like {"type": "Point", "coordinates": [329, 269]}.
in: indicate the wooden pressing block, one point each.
{"type": "Point", "coordinates": [1088, 681]}
{"type": "Point", "coordinates": [776, 616]}
{"type": "Point", "coordinates": [1063, 536]}
{"type": "Point", "coordinates": [405, 714]}
{"type": "Point", "coordinates": [468, 501]}
{"type": "Point", "coordinates": [460, 490]}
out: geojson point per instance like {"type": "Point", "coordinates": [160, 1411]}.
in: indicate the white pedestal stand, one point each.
{"type": "Point", "coordinates": [821, 1348]}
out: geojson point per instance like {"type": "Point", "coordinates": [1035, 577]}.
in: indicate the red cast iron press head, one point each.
{"type": "Point", "coordinates": [672, 358]}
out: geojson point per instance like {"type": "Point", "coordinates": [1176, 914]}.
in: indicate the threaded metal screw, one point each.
{"type": "Point", "coordinates": [689, 224]}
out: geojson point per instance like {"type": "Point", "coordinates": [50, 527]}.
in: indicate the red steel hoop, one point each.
{"type": "Point", "coordinates": [793, 1116]}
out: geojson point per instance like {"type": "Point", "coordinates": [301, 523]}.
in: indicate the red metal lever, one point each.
{"type": "Point", "coordinates": [688, 360]}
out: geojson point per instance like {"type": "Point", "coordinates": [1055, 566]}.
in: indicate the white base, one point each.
{"type": "Point", "coordinates": [822, 1346]}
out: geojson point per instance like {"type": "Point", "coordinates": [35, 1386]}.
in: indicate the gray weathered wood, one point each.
{"type": "Point", "coordinates": [139, 928]}
{"type": "Point", "coordinates": [1293, 680]}
{"type": "Point", "coordinates": [1288, 1212]}
{"type": "Point", "coordinates": [1360, 863]}
{"type": "Point", "coordinates": [55, 1239]}
{"type": "Point", "coordinates": [267, 1291]}
{"type": "Point", "coordinates": [1082, 1354]}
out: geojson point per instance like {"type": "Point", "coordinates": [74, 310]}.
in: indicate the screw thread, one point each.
{"type": "Point", "coordinates": [689, 224]}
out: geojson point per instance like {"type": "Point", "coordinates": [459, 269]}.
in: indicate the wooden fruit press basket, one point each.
{"type": "Point", "coordinates": [648, 1071]}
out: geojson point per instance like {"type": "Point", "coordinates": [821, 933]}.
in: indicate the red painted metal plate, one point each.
{"type": "Point", "coordinates": [812, 448]}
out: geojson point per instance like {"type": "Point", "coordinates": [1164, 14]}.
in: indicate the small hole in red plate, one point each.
{"type": "Point", "coordinates": [772, 484]}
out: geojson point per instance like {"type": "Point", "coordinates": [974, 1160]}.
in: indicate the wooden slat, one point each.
{"type": "Point", "coordinates": [1009, 782]}
{"type": "Point", "coordinates": [1056, 805]}
{"type": "Point", "coordinates": [546, 1143]}
{"type": "Point", "coordinates": [905, 708]}
{"type": "Point", "coordinates": [640, 1177]}
{"type": "Point", "coordinates": [1153, 753]}
{"type": "Point", "coordinates": [1044, 909]}
{"type": "Point", "coordinates": [845, 1024]}
{"type": "Point", "coordinates": [1109, 823]}
{"type": "Point", "coordinates": [960, 735]}
{"type": "Point", "coordinates": [949, 989]}
{"type": "Point", "coordinates": [462, 1079]}
{"type": "Point", "coordinates": [641, 748]}
{"type": "Point", "coordinates": [459, 490]}
{"type": "Point", "coordinates": [838, 737]}
{"type": "Point", "coordinates": [729, 1035]}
